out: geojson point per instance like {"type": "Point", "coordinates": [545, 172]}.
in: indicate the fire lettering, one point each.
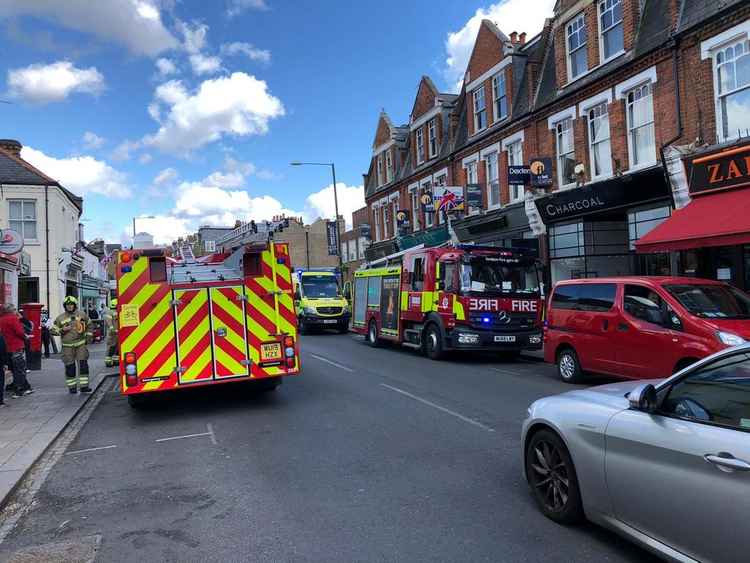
{"type": "Point", "coordinates": [524, 306]}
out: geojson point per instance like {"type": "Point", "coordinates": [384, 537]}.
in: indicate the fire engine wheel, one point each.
{"type": "Point", "coordinates": [433, 342]}
{"type": "Point", "coordinates": [372, 334]}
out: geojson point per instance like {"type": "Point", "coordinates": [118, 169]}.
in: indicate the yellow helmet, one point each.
{"type": "Point", "coordinates": [113, 304]}
{"type": "Point", "coordinates": [70, 299]}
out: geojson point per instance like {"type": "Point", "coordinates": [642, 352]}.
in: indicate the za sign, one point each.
{"type": "Point", "coordinates": [448, 198]}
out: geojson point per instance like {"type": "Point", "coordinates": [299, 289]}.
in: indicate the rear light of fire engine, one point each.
{"type": "Point", "coordinates": [289, 351]}
{"type": "Point", "coordinates": [125, 257]}
{"type": "Point", "coordinates": [131, 369]}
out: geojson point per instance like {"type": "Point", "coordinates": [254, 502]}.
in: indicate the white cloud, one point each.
{"type": "Point", "coordinates": [92, 141]}
{"type": "Point", "coordinates": [166, 176]}
{"type": "Point", "coordinates": [193, 36]}
{"type": "Point", "coordinates": [250, 51]}
{"type": "Point", "coordinates": [123, 150]}
{"type": "Point", "coordinates": [164, 228]}
{"type": "Point", "coordinates": [508, 15]}
{"type": "Point", "coordinates": [145, 158]}
{"type": "Point", "coordinates": [204, 64]}
{"type": "Point", "coordinates": [81, 174]}
{"type": "Point", "coordinates": [237, 105]}
{"type": "Point", "coordinates": [166, 67]}
{"type": "Point", "coordinates": [236, 7]}
{"type": "Point", "coordinates": [136, 24]}
{"type": "Point", "coordinates": [226, 179]}
{"type": "Point", "coordinates": [54, 82]}
{"type": "Point", "coordinates": [322, 203]}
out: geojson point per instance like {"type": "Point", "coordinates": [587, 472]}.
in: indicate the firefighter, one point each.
{"type": "Point", "coordinates": [113, 354]}
{"type": "Point", "coordinates": [73, 328]}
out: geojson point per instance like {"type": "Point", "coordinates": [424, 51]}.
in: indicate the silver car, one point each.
{"type": "Point", "coordinates": [665, 463]}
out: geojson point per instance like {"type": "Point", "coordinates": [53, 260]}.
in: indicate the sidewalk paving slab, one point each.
{"type": "Point", "coordinates": [28, 425]}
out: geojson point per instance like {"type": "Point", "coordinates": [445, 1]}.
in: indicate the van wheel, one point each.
{"type": "Point", "coordinates": [372, 334]}
{"type": "Point", "coordinates": [433, 342]}
{"type": "Point", "coordinates": [568, 366]}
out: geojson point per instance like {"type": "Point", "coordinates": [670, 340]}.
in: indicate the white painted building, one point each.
{"type": "Point", "coordinates": [47, 216]}
{"type": "Point", "coordinates": [143, 240]}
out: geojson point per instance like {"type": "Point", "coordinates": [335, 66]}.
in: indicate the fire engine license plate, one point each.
{"type": "Point", "coordinates": [270, 351]}
{"type": "Point", "coordinates": [505, 339]}
{"type": "Point", "coordinates": [330, 321]}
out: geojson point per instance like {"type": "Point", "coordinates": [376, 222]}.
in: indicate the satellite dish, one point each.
{"type": "Point", "coordinates": [10, 242]}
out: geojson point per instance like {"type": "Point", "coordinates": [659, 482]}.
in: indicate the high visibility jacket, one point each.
{"type": "Point", "coordinates": [111, 320]}
{"type": "Point", "coordinates": [73, 328]}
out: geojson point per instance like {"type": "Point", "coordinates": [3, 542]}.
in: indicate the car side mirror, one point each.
{"type": "Point", "coordinates": [643, 398]}
{"type": "Point", "coordinates": [673, 321]}
{"type": "Point", "coordinates": [348, 292]}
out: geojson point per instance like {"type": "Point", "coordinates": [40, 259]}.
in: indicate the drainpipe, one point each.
{"type": "Point", "coordinates": [46, 242]}
{"type": "Point", "coordinates": [678, 108]}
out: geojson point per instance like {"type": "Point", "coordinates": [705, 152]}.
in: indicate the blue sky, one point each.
{"type": "Point", "coordinates": [191, 110]}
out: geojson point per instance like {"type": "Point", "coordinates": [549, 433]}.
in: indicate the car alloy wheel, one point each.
{"type": "Point", "coordinates": [568, 366]}
{"type": "Point", "coordinates": [550, 476]}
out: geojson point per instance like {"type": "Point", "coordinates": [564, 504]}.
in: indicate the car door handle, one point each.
{"type": "Point", "coordinates": [727, 462]}
{"type": "Point", "coordinates": [622, 327]}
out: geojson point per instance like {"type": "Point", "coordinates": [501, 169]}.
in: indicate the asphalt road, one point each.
{"type": "Point", "coordinates": [369, 455]}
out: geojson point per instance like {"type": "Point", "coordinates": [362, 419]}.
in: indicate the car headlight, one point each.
{"type": "Point", "coordinates": [730, 339]}
{"type": "Point", "coordinates": [309, 310]}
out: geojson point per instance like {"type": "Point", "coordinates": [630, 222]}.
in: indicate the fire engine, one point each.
{"type": "Point", "coordinates": [192, 322]}
{"type": "Point", "coordinates": [455, 297]}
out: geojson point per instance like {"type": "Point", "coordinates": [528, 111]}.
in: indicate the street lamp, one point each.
{"type": "Point", "coordinates": [335, 203]}
{"type": "Point", "coordinates": [141, 217]}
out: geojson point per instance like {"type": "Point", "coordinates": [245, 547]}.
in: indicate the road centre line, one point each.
{"type": "Point", "coordinates": [185, 436]}
{"type": "Point", "coordinates": [87, 450]}
{"type": "Point", "coordinates": [440, 408]}
{"type": "Point", "coordinates": [211, 434]}
{"type": "Point", "coordinates": [508, 371]}
{"type": "Point", "coordinates": [326, 360]}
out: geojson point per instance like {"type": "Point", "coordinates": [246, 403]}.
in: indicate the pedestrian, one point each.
{"type": "Point", "coordinates": [93, 313]}
{"type": "Point", "coordinates": [28, 329]}
{"type": "Point", "coordinates": [74, 330]}
{"type": "Point", "coordinates": [47, 340]}
{"type": "Point", "coordinates": [15, 338]}
{"type": "Point", "coordinates": [3, 354]}
{"type": "Point", "coordinates": [113, 354]}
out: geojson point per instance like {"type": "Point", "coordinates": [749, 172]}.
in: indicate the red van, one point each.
{"type": "Point", "coordinates": [641, 327]}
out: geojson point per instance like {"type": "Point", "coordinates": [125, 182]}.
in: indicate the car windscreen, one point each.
{"type": "Point", "coordinates": [319, 286]}
{"type": "Point", "coordinates": [712, 301]}
{"type": "Point", "coordinates": [483, 273]}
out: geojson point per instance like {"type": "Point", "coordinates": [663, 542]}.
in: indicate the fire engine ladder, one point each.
{"type": "Point", "coordinates": [186, 252]}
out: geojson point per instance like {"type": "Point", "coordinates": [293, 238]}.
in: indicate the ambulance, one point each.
{"type": "Point", "coordinates": [186, 322]}
{"type": "Point", "coordinates": [319, 302]}
{"type": "Point", "coordinates": [451, 297]}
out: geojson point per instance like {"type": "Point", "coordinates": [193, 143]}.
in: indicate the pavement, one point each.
{"type": "Point", "coordinates": [28, 425]}
{"type": "Point", "coordinates": [369, 455]}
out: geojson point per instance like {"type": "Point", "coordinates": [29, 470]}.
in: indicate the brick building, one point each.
{"type": "Point", "coordinates": [354, 242]}
{"type": "Point", "coordinates": [611, 92]}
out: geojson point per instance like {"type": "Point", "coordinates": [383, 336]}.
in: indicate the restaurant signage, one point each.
{"type": "Point", "coordinates": [729, 168]}
{"type": "Point", "coordinates": [474, 195]}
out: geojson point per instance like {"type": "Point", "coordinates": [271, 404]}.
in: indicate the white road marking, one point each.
{"type": "Point", "coordinates": [87, 450]}
{"type": "Point", "coordinates": [440, 408]}
{"type": "Point", "coordinates": [211, 434]}
{"type": "Point", "coordinates": [185, 436]}
{"type": "Point", "coordinates": [326, 360]}
{"type": "Point", "coordinates": [508, 371]}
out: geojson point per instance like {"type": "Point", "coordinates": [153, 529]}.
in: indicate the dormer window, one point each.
{"type": "Point", "coordinates": [611, 29]}
{"type": "Point", "coordinates": [498, 95]}
{"type": "Point", "coordinates": [480, 109]}
{"type": "Point", "coordinates": [420, 145]}
{"type": "Point", "coordinates": [576, 45]}
{"type": "Point", "coordinates": [432, 137]}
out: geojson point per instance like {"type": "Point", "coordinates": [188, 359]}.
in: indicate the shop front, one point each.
{"type": "Point", "coordinates": [592, 230]}
{"type": "Point", "coordinates": [507, 227]}
{"type": "Point", "coordinates": [9, 266]}
{"type": "Point", "coordinates": [711, 234]}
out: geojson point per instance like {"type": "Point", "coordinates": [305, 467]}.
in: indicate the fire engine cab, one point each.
{"type": "Point", "coordinates": [460, 297]}
{"type": "Point", "coordinates": [192, 322]}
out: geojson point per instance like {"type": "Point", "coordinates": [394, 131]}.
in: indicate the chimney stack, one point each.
{"type": "Point", "coordinates": [514, 37]}
{"type": "Point", "coordinates": [11, 146]}
{"type": "Point", "coordinates": [522, 38]}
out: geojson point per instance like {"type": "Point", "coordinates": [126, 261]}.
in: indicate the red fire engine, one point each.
{"type": "Point", "coordinates": [462, 297]}
{"type": "Point", "coordinates": [192, 322]}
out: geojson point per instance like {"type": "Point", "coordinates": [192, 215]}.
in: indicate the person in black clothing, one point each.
{"type": "Point", "coordinates": [47, 340]}
{"type": "Point", "coordinates": [3, 363]}
{"type": "Point", "coordinates": [28, 329]}
{"type": "Point", "coordinates": [93, 314]}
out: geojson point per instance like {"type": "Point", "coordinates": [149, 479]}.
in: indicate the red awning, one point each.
{"type": "Point", "coordinates": [718, 219]}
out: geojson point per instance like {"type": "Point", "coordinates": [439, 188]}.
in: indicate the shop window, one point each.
{"type": "Point", "coordinates": [499, 97]}
{"type": "Point", "coordinates": [566, 240]}
{"type": "Point", "coordinates": [612, 40]}
{"type": "Point", "coordinates": [480, 109]}
{"type": "Point", "coordinates": [642, 220]}
{"type": "Point", "coordinates": [576, 44]}
{"type": "Point", "coordinates": [640, 116]}
{"type": "Point", "coordinates": [599, 143]}
{"type": "Point", "coordinates": [515, 158]}
{"type": "Point", "coordinates": [493, 182]}
{"type": "Point", "coordinates": [732, 65]}
{"type": "Point", "coordinates": [23, 218]}
{"type": "Point", "coordinates": [566, 153]}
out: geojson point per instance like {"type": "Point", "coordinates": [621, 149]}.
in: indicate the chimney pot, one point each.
{"type": "Point", "coordinates": [522, 38]}
{"type": "Point", "coordinates": [514, 37]}
{"type": "Point", "coordinates": [11, 146]}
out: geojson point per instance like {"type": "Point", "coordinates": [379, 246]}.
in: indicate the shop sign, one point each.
{"type": "Point", "coordinates": [333, 240]}
{"type": "Point", "coordinates": [519, 174]}
{"type": "Point", "coordinates": [10, 242]}
{"type": "Point", "coordinates": [540, 170]}
{"type": "Point", "coordinates": [426, 200]}
{"type": "Point", "coordinates": [474, 195]}
{"type": "Point", "coordinates": [720, 171]}
{"type": "Point", "coordinates": [402, 217]}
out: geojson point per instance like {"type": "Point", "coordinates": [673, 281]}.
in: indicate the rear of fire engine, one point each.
{"type": "Point", "coordinates": [193, 322]}
{"type": "Point", "coordinates": [461, 297]}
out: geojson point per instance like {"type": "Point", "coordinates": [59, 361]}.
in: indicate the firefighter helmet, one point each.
{"type": "Point", "coordinates": [70, 300]}
{"type": "Point", "coordinates": [113, 303]}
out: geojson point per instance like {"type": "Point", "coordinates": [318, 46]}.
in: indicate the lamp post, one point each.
{"type": "Point", "coordinates": [141, 217]}
{"type": "Point", "coordinates": [335, 203]}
